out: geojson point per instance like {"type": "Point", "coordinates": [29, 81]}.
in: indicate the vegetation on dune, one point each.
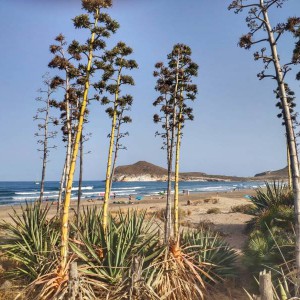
{"type": "Point", "coordinates": [32, 241]}
{"type": "Point", "coordinates": [128, 258]}
{"type": "Point", "coordinates": [271, 240]}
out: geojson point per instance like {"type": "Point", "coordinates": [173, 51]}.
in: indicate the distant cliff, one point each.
{"type": "Point", "coordinates": [145, 171]}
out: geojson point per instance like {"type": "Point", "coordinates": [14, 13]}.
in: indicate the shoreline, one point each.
{"type": "Point", "coordinates": [151, 203]}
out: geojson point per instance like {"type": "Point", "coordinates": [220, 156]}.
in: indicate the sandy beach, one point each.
{"type": "Point", "coordinates": [230, 224]}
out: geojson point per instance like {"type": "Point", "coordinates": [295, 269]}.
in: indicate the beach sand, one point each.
{"type": "Point", "coordinates": [231, 225]}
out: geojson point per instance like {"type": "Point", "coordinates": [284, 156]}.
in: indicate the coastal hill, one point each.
{"type": "Point", "coordinates": [145, 171]}
{"type": "Point", "coordinates": [272, 175]}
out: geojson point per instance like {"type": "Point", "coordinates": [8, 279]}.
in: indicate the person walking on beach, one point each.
{"type": "Point", "coordinates": [129, 197]}
{"type": "Point", "coordinates": [114, 195]}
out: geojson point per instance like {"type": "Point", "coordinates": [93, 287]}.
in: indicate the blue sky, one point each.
{"type": "Point", "coordinates": [235, 131]}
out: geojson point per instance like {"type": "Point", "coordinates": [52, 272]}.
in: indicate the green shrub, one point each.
{"type": "Point", "coordinates": [268, 249]}
{"type": "Point", "coordinates": [271, 231]}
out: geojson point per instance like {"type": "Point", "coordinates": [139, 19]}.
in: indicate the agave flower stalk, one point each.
{"type": "Point", "coordinates": [94, 43]}
{"type": "Point", "coordinates": [62, 61]}
{"type": "Point", "coordinates": [176, 179]}
{"type": "Point", "coordinates": [174, 85]}
{"type": "Point", "coordinates": [110, 153]}
{"type": "Point", "coordinates": [44, 133]}
{"type": "Point", "coordinates": [114, 63]}
{"type": "Point", "coordinates": [188, 91]}
{"type": "Point", "coordinates": [65, 217]}
{"type": "Point", "coordinates": [165, 101]}
{"type": "Point", "coordinates": [258, 21]}
{"type": "Point", "coordinates": [119, 135]}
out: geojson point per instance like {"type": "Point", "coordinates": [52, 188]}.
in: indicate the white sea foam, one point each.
{"type": "Point", "coordinates": [126, 194]}
{"type": "Point", "coordinates": [122, 191]}
{"type": "Point", "coordinates": [34, 193]}
{"type": "Point", "coordinates": [24, 198]}
{"type": "Point", "coordinates": [211, 188]}
{"type": "Point", "coordinates": [130, 188]}
{"type": "Point", "coordinates": [34, 197]}
{"type": "Point", "coordinates": [26, 193]}
{"type": "Point", "coordinates": [83, 188]}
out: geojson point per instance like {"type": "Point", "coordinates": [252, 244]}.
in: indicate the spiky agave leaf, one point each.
{"type": "Point", "coordinates": [127, 235]}
{"type": "Point", "coordinates": [211, 250]}
{"type": "Point", "coordinates": [274, 194]}
{"type": "Point", "coordinates": [89, 224]}
{"type": "Point", "coordinates": [32, 241]}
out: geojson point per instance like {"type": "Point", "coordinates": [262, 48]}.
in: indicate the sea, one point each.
{"type": "Point", "coordinates": [17, 192]}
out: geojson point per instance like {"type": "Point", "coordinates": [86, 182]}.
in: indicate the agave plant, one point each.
{"type": "Point", "coordinates": [31, 241]}
{"type": "Point", "coordinates": [274, 194]}
{"type": "Point", "coordinates": [109, 258]}
{"type": "Point", "coordinates": [89, 225]}
{"type": "Point", "coordinates": [273, 206]}
{"type": "Point", "coordinates": [211, 250]}
{"type": "Point", "coordinates": [174, 275]}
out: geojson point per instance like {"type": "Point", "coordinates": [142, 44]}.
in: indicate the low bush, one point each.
{"type": "Point", "coordinates": [243, 208]}
{"type": "Point", "coordinates": [181, 214]}
{"type": "Point", "coordinates": [214, 210]}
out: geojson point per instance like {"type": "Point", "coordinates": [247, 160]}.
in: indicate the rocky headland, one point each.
{"type": "Point", "coordinates": [145, 171]}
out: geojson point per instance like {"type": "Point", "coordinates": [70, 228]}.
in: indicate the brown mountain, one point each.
{"type": "Point", "coordinates": [145, 171]}
{"type": "Point", "coordinates": [278, 174]}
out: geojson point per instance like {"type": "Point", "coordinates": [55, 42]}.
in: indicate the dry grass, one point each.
{"type": "Point", "coordinates": [160, 214]}
{"type": "Point", "coordinates": [214, 210]}
{"type": "Point", "coordinates": [244, 208]}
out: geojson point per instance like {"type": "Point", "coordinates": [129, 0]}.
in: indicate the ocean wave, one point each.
{"type": "Point", "coordinates": [127, 194]}
{"type": "Point", "coordinates": [83, 188]}
{"type": "Point", "coordinates": [122, 191]}
{"type": "Point", "coordinates": [24, 198]}
{"type": "Point", "coordinates": [35, 197]}
{"type": "Point", "coordinates": [211, 189]}
{"type": "Point", "coordinates": [33, 193]}
{"type": "Point", "coordinates": [131, 188]}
